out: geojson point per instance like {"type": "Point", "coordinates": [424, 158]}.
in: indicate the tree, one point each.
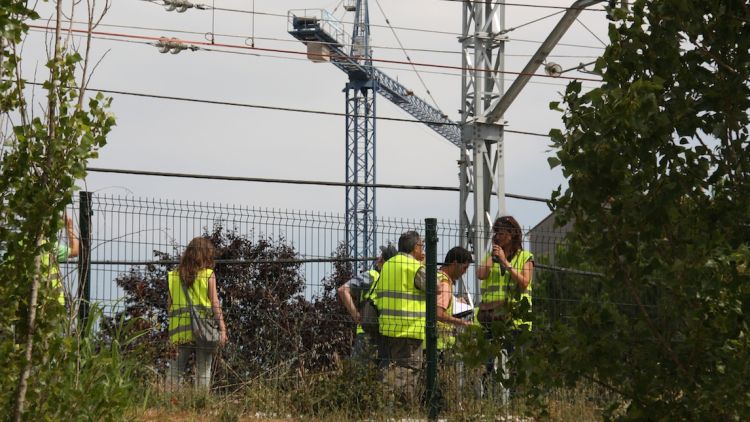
{"type": "Point", "coordinates": [44, 151]}
{"type": "Point", "coordinates": [657, 166]}
{"type": "Point", "coordinates": [273, 328]}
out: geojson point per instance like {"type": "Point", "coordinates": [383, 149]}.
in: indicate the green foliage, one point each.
{"type": "Point", "coordinates": [657, 166]}
{"type": "Point", "coordinates": [88, 379]}
{"type": "Point", "coordinates": [354, 392]}
{"type": "Point", "coordinates": [43, 155]}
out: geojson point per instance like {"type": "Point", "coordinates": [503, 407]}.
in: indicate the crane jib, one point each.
{"type": "Point", "coordinates": [317, 26]}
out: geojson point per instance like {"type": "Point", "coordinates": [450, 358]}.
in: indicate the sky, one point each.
{"type": "Point", "coordinates": [161, 135]}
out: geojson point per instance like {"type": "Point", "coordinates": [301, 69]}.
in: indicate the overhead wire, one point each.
{"type": "Point", "coordinates": [224, 9]}
{"type": "Point", "coordinates": [398, 40]}
{"type": "Point", "coordinates": [403, 28]}
{"type": "Point", "coordinates": [591, 32]}
{"type": "Point", "coordinates": [200, 44]}
{"type": "Point", "coordinates": [296, 181]}
{"type": "Point", "coordinates": [408, 58]}
{"type": "Point", "coordinates": [273, 108]}
{"type": "Point", "coordinates": [533, 21]}
{"type": "Point", "coordinates": [294, 41]}
{"type": "Point", "coordinates": [279, 57]}
{"type": "Point", "coordinates": [537, 6]}
{"type": "Point", "coordinates": [512, 4]}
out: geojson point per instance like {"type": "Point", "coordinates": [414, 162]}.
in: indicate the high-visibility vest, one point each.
{"type": "Point", "coordinates": [180, 330]}
{"type": "Point", "coordinates": [446, 332]}
{"type": "Point", "coordinates": [370, 293]}
{"type": "Point", "coordinates": [500, 287]}
{"type": "Point", "coordinates": [402, 306]}
{"type": "Point", "coordinates": [50, 270]}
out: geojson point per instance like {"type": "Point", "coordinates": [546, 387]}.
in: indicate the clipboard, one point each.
{"type": "Point", "coordinates": [462, 309]}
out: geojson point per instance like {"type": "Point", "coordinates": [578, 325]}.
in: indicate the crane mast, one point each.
{"type": "Point", "coordinates": [479, 135]}
{"type": "Point", "coordinates": [361, 234]}
{"type": "Point", "coordinates": [327, 41]}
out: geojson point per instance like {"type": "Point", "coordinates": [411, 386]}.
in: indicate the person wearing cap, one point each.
{"type": "Point", "coordinates": [361, 287]}
{"type": "Point", "coordinates": [506, 274]}
{"type": "Point", "coordinates": [456, 263]}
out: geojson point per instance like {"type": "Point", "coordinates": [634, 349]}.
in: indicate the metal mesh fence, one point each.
{"type": "Point", "coordinates": [278, 273]}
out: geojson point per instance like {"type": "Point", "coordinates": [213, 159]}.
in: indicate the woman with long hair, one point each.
{"type": "Point", "coordinates": [194, 275]}
{"type": "Point", "coordinates": [507, 272]}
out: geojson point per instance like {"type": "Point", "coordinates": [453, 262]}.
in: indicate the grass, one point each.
{"type": "Point", "coordinates": [351, 393]}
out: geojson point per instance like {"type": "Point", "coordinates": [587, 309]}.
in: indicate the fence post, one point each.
{"type": "Point", "coordinates": [84, 257]}
{"type": "Point", "coordinates": [431, 325]}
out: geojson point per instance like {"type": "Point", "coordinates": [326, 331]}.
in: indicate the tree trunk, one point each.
{"type": "Point", "coordinates": [31, 324]}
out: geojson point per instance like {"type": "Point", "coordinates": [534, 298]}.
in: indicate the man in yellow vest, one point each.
{"type": "Point", "coordinates": [353, 295]}
{"type": "Point", "coordinates": [400, 299]}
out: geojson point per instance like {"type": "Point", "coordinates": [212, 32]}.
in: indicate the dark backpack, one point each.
{"type": "Point", "coordinates": [368, 313]}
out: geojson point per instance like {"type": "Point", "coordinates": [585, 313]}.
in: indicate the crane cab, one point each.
{"type": "Point", "coordinates": [323, 34]}
{"type": "Point", "coordinates": [350, 5]}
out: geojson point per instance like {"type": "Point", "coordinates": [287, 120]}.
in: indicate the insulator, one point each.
{"type": "Point", "coordinates": [163, 45]}
{"type": "Point", "coordinates": [179, 5]}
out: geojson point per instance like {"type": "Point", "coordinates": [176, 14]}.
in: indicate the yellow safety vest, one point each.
{"type": "Point", "coordinates": [499, 287]}
{"type": "Point", "coordinates": [402, 306]}
{"type": "Point", "coordinates": [446, 332]}
{"type": "Point", "coordinates": [180, 330]}
{"type": "Point", "coordinates": [51, 271]}
{"type": "Point", "coordinates": [370, 293]}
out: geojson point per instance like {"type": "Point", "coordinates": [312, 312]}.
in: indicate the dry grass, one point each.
{"type": "Point", "coordinates": [338, 397]}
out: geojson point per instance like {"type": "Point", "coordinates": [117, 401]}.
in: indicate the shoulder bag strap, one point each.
{"type": "Point", "coordinates": [372, 288]}
{"type": "Point", "coordinates": [187, 297]}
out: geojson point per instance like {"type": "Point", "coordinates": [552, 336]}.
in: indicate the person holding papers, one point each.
{"type": "Point", "coordinates": [456, 263]}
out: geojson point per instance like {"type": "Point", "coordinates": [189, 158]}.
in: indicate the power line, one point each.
{"type": "Point", "coordinates": [224, 9]}
{"type": "Point", "coordinates": [286, 40]}
{"type": "Point", "coordinates": [531, 22]}
{"type": "Point", "coordinates": [271, 56]}
{"type": "Point", "coordinates": [528, 5]}
{"type": "Point", "coordinates": [398, 40]}
{"type": "Point", "coordinates": [404, 28]}
{"type": "Point", "coordinates": [591, 47]}
{"type": "Point", "coordinates": [329, 56]}
{"type": "Point", "coordinates": [538, 6]}
{"type": "Point", "coordinates": [274, 108]}
{"type": "Point", "coordinates": [245, 105]}
{"type": "Point", "coordinates": [295, 182]}
{"type": "Point", "coordinates": [261, 55]}
{"type": "Point", "coordinates": [591, 32]}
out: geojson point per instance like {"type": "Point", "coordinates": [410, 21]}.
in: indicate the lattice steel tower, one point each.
{"type": "Point", "coordinates": [327, 41]}
{"type": "Point", "coordinates": [361, 234]}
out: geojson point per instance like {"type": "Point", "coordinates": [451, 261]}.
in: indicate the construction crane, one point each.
{"type": "Point", "coordinates": [327, 41]}
{"type": "Point", "coordinates": [479, 135]}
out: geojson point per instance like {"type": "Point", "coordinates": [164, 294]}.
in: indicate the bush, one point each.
{"type": "Point", "coordinates": [271, 324]}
